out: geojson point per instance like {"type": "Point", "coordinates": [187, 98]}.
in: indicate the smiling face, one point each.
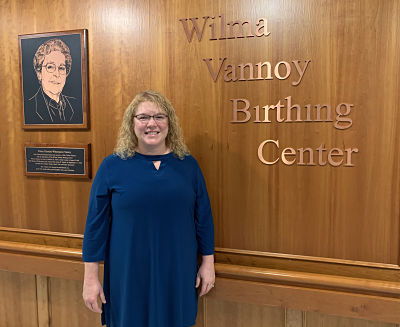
{"type": "Point", "coordinates": [53, 82]}
{"type": "Point", "coordinates": [151, 135]}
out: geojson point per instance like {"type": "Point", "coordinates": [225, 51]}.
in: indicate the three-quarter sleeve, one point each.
{"type": "Point", "coordinates": [203, 217]}
{"type": "Point", "coordinates": [98, 217]}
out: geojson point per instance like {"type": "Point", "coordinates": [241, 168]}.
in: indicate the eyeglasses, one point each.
{"type": "Point", "coordinates": [51, 68]}
{"type": "Point", "coordinates": [159, 118]}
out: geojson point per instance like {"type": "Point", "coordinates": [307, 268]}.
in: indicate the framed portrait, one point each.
{"type": "Point", "coordinates": [54, 79]}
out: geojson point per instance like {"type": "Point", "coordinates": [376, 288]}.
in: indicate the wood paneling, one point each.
{"type": "Point", "coordinates": [317, 211]}
{"type": "Point", "coordinates": [117, 47]}
{"type": "Point", "coordinates": [314, 319]}
{"type": "Point", "coordinates": [41, 265]}
{"type": "Point", "coordinates": [66, 305]}
{"type": "Point", "coordinates": [321, 211]}
{"type": "Point", "coordinates": [48, 246]}
{"type": "Point", "coordinates": [341, 221]}
{"type": "Point", "coordinates": [18, 306]}
{"type": "Point", "coordinates": [294, 318]}
{"type": "Point", "coordinates": [68, 246]}
{"type": "Point", "coordinates": [225, 313]}
{"type": "Point", "coordinates": [360, 298]}
{"type": "Point", "coordinates": [45, 301]}
{"type": "Point", "coordinates": [306, 299]}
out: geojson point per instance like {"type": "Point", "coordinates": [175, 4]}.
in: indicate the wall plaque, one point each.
{"type": "Point", "coordinates": [54, 79]}
{"type": "Point", "coordinates": [57, 160]}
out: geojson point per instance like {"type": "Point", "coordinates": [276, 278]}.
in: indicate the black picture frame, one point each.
{"type": "Point", "coordinates": [54, 96]}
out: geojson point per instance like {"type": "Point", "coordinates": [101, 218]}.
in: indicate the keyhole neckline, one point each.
{"type": "Point", "coordinates": [154, 157]}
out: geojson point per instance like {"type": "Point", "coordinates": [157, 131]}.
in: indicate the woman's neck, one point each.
{"type": "Point", "coordinates": [153, 151]}
{"type": "Point", "coordinates": [55, 97]}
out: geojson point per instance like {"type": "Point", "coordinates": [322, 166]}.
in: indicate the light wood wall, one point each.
{"type": "Point", "coordinates": [315, 227]}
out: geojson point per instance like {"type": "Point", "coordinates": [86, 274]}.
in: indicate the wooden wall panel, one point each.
{"type": "Point", "coordinates": [319, 219]}
{"type": "Point", "coordinates": [330, 302]}
{"type": "Point", "coordinates": [225, 313]}
{"type": "Point", "coordinates": [321, 211]}
{"type": "Point", "coordinates": [18, 304]}
{"type": "Point", "coordinates": [315, 319]}
{"type": "Point", "coordinates": [46, 301]}
{"type": "Point", "coordinates": [117, 46]}
{"type": "Point", "coordinates": [66, 307]}
{"type": "Point", "coordinates": [42, 297]}
{"type": "Point", "coordinates": [333, 203]}
{"type": "Point", "coordinates": [294, 318]}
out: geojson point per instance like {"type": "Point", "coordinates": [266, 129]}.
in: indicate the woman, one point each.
{"type": "Point", "coordinates": [149, 216]}
{"type": "Point", "coordinates": [52, 63]}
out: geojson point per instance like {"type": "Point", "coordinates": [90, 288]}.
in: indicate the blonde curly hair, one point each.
{"type": "Point", "coordinates": [127, 142]}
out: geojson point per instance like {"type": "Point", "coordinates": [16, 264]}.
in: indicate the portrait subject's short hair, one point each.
{"type": "Point", "coordinates": [127, 141]}
{"type": "Point", "coordinates": [48, 47]}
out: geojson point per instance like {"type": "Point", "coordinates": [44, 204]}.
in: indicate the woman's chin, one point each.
{"type": "Point", "coordinates": [153, 143]}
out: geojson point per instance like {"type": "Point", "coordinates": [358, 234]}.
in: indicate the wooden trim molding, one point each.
{"type": "Point", "coordinates": [68, 246]}
{"type": "Point", "coordinates": [231, 256]}
{"type": "Point", "coordinates": [242, 276]}
{"type": "Point", "coordinates": [41, 250]}
{"type": "Point", "coordinates": [41, 265]}
{"type": "Point", "coordinates": [41, 237]}
{"type": "Point", "coordinates": [241, 272]}
{"type": "Point", "coordinates": [325, 266]}
{"type": "Point", "coordinates": [310, 280]}
{"type": "Point", "coordinates": [41, 253]}
{"type": "Point", "coordinates": [304, 258]}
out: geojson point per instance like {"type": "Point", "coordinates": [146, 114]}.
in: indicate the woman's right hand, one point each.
{"type": "Point", "coordinates": [92, 288]}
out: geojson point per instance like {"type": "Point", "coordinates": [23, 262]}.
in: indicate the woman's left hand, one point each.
{"type": "Point", "coordinates": [206, 274]}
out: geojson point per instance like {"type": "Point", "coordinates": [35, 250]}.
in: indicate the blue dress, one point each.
{"type": "Point", "coordinates": [148, 226]}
